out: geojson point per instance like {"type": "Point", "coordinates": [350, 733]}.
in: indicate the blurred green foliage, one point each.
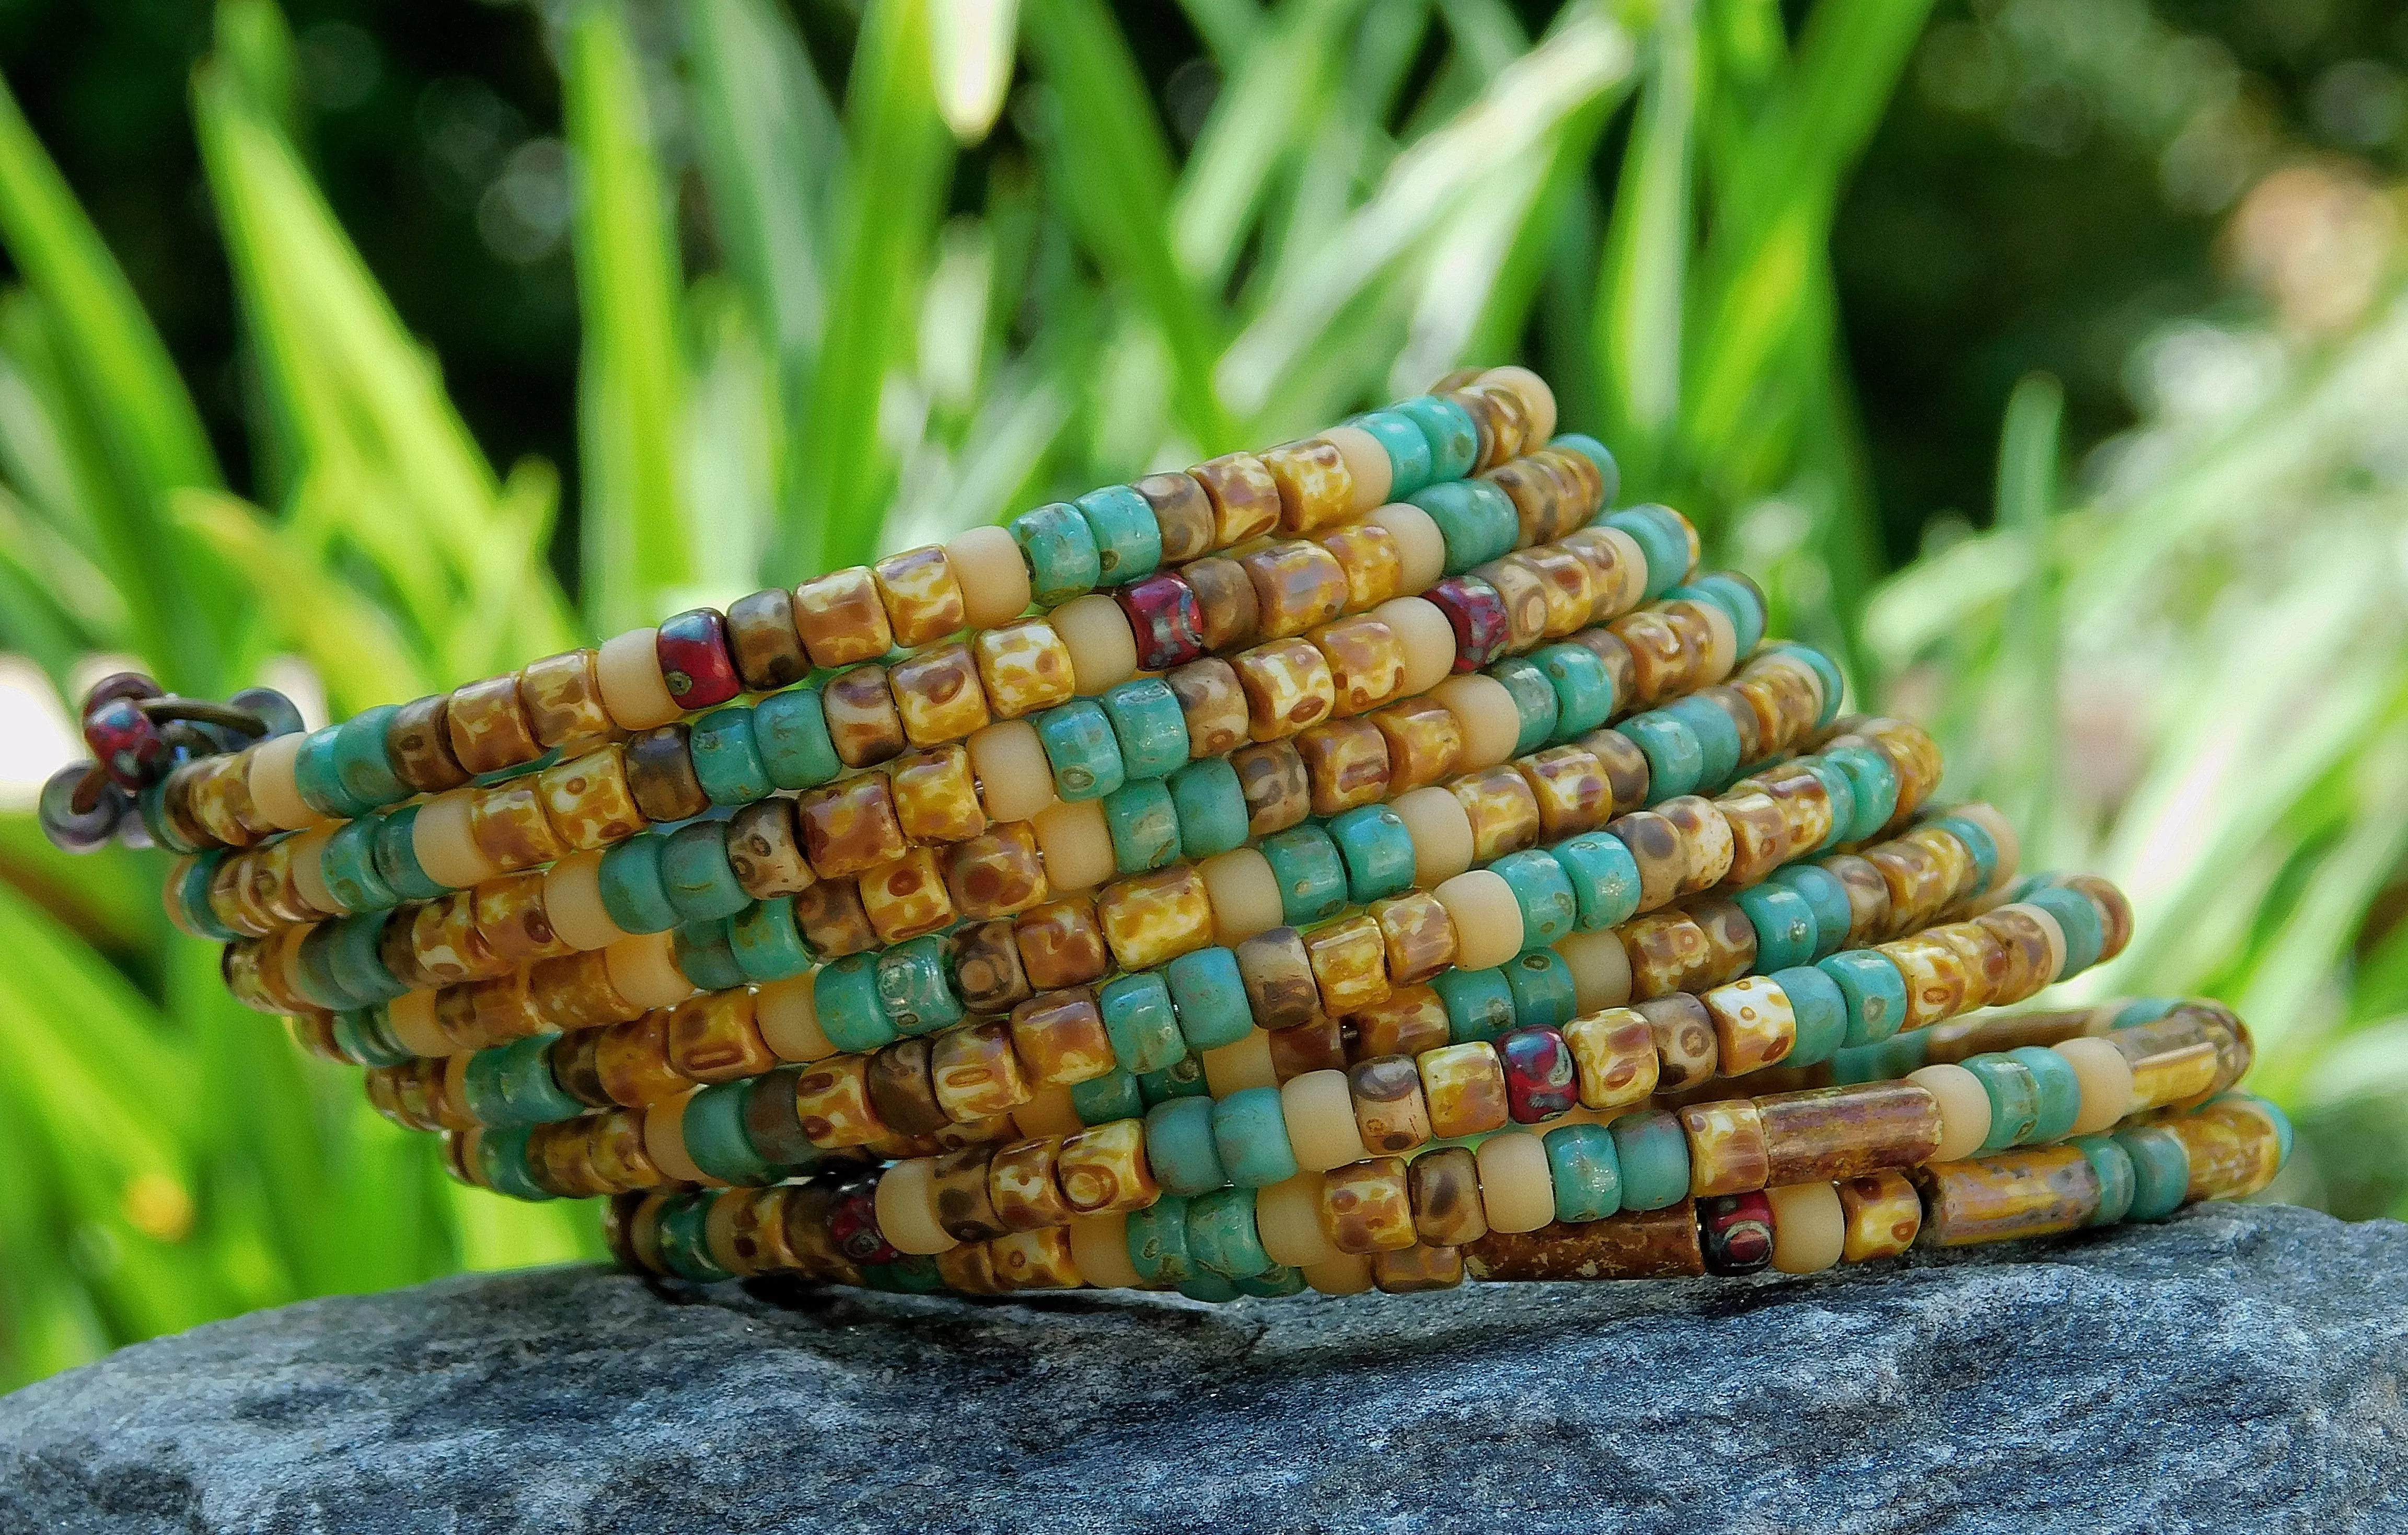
{"type": "Point", "coordinates": [738, 292]}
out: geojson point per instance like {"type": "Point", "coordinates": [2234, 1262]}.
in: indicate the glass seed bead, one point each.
{"type": "Point", "coordinates": [1349, 961]}
{"type": "Point", "coordinates": [1158, 1242]}
{"type": "Point", "coordinates": [1476, 520]}
{"type": "Point", "coordinates": [1208, 998]}
{"type": "Point", "coordinates": [2161, 1171]}
{"type": "Point", "coordinates": [695, 662]}
{"type": "Point", "coordinates": [762, 641]}
{"type": "Point", "coordinates": [1675, 758]}
{"type": "Point", "coordinates": [922, 596]}
{"type": "Point", "coordinates": [1288, 687]}
{"type": "Point", "coordinates": [1534, 701]}
{"type": "Point", "coordinates": [1023, 666]}
{"type": "Point", "coordinates": [1424, 743]}
{"type": "Point", "coordinates": [1604, 878]}
{"type": "Point", "coordinates": [1182, 515]}
{"type": "Point", "coordinates": [1297, 586]}
{"type": "Point", "coordinates": [418, 746]}
{"type": "Point", "coordinates": [1081, 749]}
{"type": "Point", "coordinates": [727, 759]}
{"type": "Point", "coordinates": [1373, 561]}
{"type": "Point", "coordinates": [2113, 1166]}
{"type": "Point", "coordinates": [938, 697]}
{"type": "Point", "coordinates": [1310, 872]}
{"type": "Point", "coordinates": [1419, 935]}
{"type": "Point", "coordinates": [1213, 704]}
{"type": "Point", "coordinates": [695, 870]}
{"type": "Point", "coordinates": [1061, 944]}
{"type": "Point", "coordinates": [840, 618]}
{"type": "Point", "coordinates": [1060, 550]}
{"type": "Point", "coordinates": [901, 1091]}
{"type": "Point", "coordinates": [1164, 615]}
{"type": "Point", "coordinates": [986, 968]}
{"type": "Point", "coordinates": [1211, 809]}
{"type": "Point", "coordinates": [659, 767]}
{"type": "Point", "coordinates": [2085, 932]}
{"type": "Point", "coordinates": [766, 943]}
{"type": "Point", "coordinates": [914, 989]}
{"type": "Point", "coordinates": [1978, 843]}
{"type": "Point", "coordinates": [1367, 1207]}
{"type": "Point", "coordinates": [1783, 923]}
{"type": "Point", "coordinates": [1228, 611]}
{"type": "Point", "coordinates": [1718, 741]}
{"type": "Point", "coordinates": [1543, 892]}
{"type": "Point", "coordinates": [850, 827]}
{"type": "Point", "coordinates": [907, 897]}
{"type": "Point", "coordinates": [1100, 1101]}
{"type": "Point", "coordinates": [1543, 991]}
{"type": "Point", "coordinates": [1826, 673]}
{"type": "Point", "coordinates": [1250, 1139]}
{"type": "Point", "coordinates": [1875, 992]}
{"type": "Point", "coordinates": [1410, 461]}
{"type": "Point", "coordinates": [1540, 1081]}
{"type": "Point", "coordinates": [2057, 1089]}
{"type": "Point", "coordinates": [1502, 811]}
{"type": "Point", "coordinates": [1148, 725]}
{"type": "Point", "coordinates": [634, 892]}
{"type": "Point", "coordinates": [846, 996]}
{"type": "Point", "coordinates": [1476, 612]}
{"type": "Point", "coordinates": [998, 873]}
{"type": "Point", "coordinates": [1448, 430]}
{"type": "Point", "coordinates": [1221, 1235]}
{"type": "Point", "coordinates": [1479, 1004]}
{"type": "Point", "coordinates": [936, 797]}
{"type": "Point", "coordinates": [1525, 597]}
{"type": "Point", "coordinates": [1127, 539]}
{"type": "Point", "coordinates": [791, 734]}
{"type": "Point", "coordinates": [1346, 762]}
{"type": "Point", "coordinates": [1376, 851]}
{"type": "Point", "coordinates": [1818, 1012]}
{"type": "Point", "coordinates": [347, 866]}
{"type": "Point", "coordinates": [1143, 820]}
{"type": "Point", "coordinates": [1584, 693]}
{"type": "Point", "coordinates": [862, 717]}
{"type": "Point", "coordinates": [1245, 498]}
{"type": "Point", "coordinates": [1061, 1040]}
{"type": "Point", "coordinates": [704, 951]}
{"type": "Point", "coordinates": [1366, 661]}
{"type": "Point", "coordinates": [1180, 1147]}
{"type": "Point", "coordinates": [1587, 1173]}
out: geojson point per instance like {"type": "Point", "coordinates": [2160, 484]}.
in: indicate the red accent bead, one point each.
{"type": "Point", "coordinates": [1169, 625]}
{"type": "Point", "coordinates": [1478, 614]}
{"type": "Point", "coordinates": [695, 662]}
{"type": "Point", "coordinates": [127, 743]}
{"type": "Point", "coordinates": [1540, 1081]}
{"type": "Point", "coordinates": [120, 685]}
{"type": "Point", "coordinates": [1735, 1231]}
{"type": "Point", "coordinates": [852, 1225]}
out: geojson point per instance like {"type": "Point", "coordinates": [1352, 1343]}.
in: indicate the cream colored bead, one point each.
{"type": "Point", "coordinates": [1319, 1108]}
{"type": "Point", "coordinates": [572, 903]}
{"type": "Point", "coordinates": [2002, 832]}
{"type": "Point", "coordinates": [1722, 645]}
{"type": "Point", "coordinates": [1076, 842]}
{"type": "Point", "coordinates": [1537, 400]}
{"type": "Point", "coordinates": [1483, 706]}
{"type": "Point", "coordinates": [788, 1015]}
{"type": "Point", "coordinates": [1429, 640]}
{"type": "Point", "coordinates": [1244, 893]}
{"type": "Point", "coordinates": [1234, 1068]}
{"type": "Point", "coordinates": [1418, 540]}
{"type": "Point", "coordinates": [1048, 1112]}
{"type": "Point", "coordinates": [1099, 1246]}
{"type": "Point", "coordinates": [633, 693]}
{"type": "Point", "coordinates": [1515, 1188]}
{"type": "Point", "coordinates": [2106, 1078]}
{"type": "Point", "coordinates": [446, 850]}
{"type": "Point", "coordinates": [310, 868]}
{"type": "Point", "coordinates": [275, 792]}
{"type": "Point", "coordinates": [1367, 467]}
{"type": "Point", "coordinates": [1630, 564]}
{"type": "Point", "coordinates": [1600, 967]}
{"type": "Point", "coordinates": [1287, 1217]}
{"type": "Point", "coordinates": [644, 968]}
{"type": "Point", "coordinates": [905, 1203]}
{"type": "Point", "coordinates": [1964, 1109]}
{"type": "Point", "coordinates": [1348, 1273]}
{"type": "Point", "coordinates": [414, 1028]}
{"type": "Point", "coordinates": [1808, 1228]}
{"type": "Point", "coordinates": [665, 1139]}
{"type": "Point", "coordinates": [1015, 779]}
{"type": "Point", "coordinates": [1441, 832]}
{"type": "Point", "coordinates": [1487, 918]}
{"type": "Point", "coordinates": [993, 577]}
{"type": "Point", "coordinates": [1102, 646]}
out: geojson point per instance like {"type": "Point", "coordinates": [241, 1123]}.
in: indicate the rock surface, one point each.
{"type": "Point", "coordinates": [2235, 1369]}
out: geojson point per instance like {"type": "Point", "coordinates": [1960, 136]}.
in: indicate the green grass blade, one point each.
{"type": "Point", "coordinates": [1642, 280]}
{"type": "Point", "coordinates": [2027, 455]}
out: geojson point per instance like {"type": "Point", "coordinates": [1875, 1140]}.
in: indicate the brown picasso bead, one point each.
{"type": "Point", "coordinates": [1503, 811]}
{"type": "Point", "coordinates": [1417, 1270]}
{"type": "Point", "coordinates": [1277, 786]}
{"type": "Point", "coordinates": [1419, 934]}
{"type": "Point", "coordinates": [1463, 1086]}
{"type": "Point", "coordinates": [589, 801]}
{"type": "Point", "coordinates": [833, 921]}
{"type": "Point", "coordinates": [509, 826]}
{"type": "Point", "coordinates": [1569, 786]}
{"type": "Point", "coordinates": [1868, 896]}
{"type": "Point", "coordinates": [1277, 971]}
{"type": "Point", "coordinates": [1366, 660]}
{"type": "Point", "coordinates": [1412, 1020]}
{"type": "Point", "coordinates": [841, 619]}
{"type": "Point", "coordinates": [1389, 1110]}
{"type": "Point", "coordinates": [1937, 977]}
{"type": "Point", "coordinates": [762, 642]}
{"type": "Point", "coordinates": [418, 746]}
{"type": "Point", "coordinates": [715, 1038]}
{"type": "Point", "coordinates": [939, 696]}
{"type": "Point", "coordinates": [922, 596]}
{"type": "Point", "coordinates": [1021, 1185]}
{"type": "Point", "coordinates": [1614, 1053]}
{"type": "Point", "coordinates": [1367, 1207]}
{"type": "Point", "coordinates": [1373, 561]}
{"type": "Point", "coordinates": [985, 961]}
{"type": "Point", "coordinates": [1666, 950]}
{"type": "Point", "coordinates": [1831, 1134]}
{"type": "Point", "coordinates": [1424, 743]}
{"type": "Point", "coordinates": [935, 794]}
{"type": "Point", "coordinates": [976, 1074]}
{"type": "Point", "coordinates": [1882, 1213]}
{"type": "Point", "coordinates": [901, 1090]}
{"type": "Point", "coordinates": [510, 918]}
{"type": "Point", "coordinates": [575, 991]}
{"type": "Point", "coordinates": [850, 826]}
{"type": "Point", "coordinates": [1705, 837]}
{"type": "Point", "coordinates": [764, 848]}
{"type": "Point", "coordinates": [1656, 847]}
{"type": "Point", "coordinates": [1288, 686]}
{"type": "Point", "coordinates": [1635, 1244]}
{"type": "Point", "coordinates": [659, 768]}
{"type": "Point", "coordinates": [1346, 762]}
{"type": "Point", "coordinates": [1102, 1170]}
{"type": "Point", "coordinates": [2033, 1191]}
{"type": "Point", "coordinates": [1182, 513]}
{"type": "Point", "coordinates": [1759, 835]}
{"type": "Point", "coordinates": [998, 874]}
{"type": "Point", "coordinates": [1349, 965]}
{"type": "Point", "coordinates": [1685, 1039]}
{"type": "Point", "coordinates": [1315, 487]}
{"type": "Point", "coordinates": [862, 718]}
{"type": "Point", "coordinates": [1317, 1044]}
{"type": "Point", "coordinates": [1297, 586]}
{"type": "Point", "coordinates": [489, 725]}
{"type": "Point", "coordinates": [1524, 599]}
{"type": "Point", "coordinates": [1151, 918]}
{"type": "Point", "coordinates": [1726, 1151]}
{"type": "Point", "coordinates": [906, 898]}
{"type": "Point", "coordinates": [1245, 498]}
{"type": "Point", "coordinates": [1060, 1039]}
{"type": "Point", "coordinates": [1061, 944]}
{"type": "Point", "coordinates": [1213, 704]}
{"type": "Point", "coordinates": [1228, 611]}
{"type": "Point", "coordinates": [963, 1207]}
{"type": "Point", "coordinates": [562, 696]}
{"type": "Point", "coordinates": [832, 1098]}
{"type": "Point", "coordinates": [1444, 1187]}
{"type": "Point", "coordinates": [1022, 668]}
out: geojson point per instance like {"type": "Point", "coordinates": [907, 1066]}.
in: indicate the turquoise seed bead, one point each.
{"type": "Point", "coordinates": [2143, 1010]}
{"type": "Point", "coordinates": [1842, 792]}
{"type": "Point", "coordinates": [1667, 551]}
{"type": "Point", "coordinates": [790, 730]}
{"type": "Point", "coordinates": [1143, 820]}
{"type": "Point", "coordinates": [152, 804]}
{"type": "Point", "coordinates": [1476, 521]}
{"type": "Point", "coordinates": [633, 890]}
{"type": "Point", "coordinates": [1310, 873]}
{"type": "Point", "coordinates": [685, 1243]}
{"type": "Point", "coordinates": [1208, 995]}
{"type": "Point", "coordinates": [703, 952]}
{"type": "Point", "coordinates": [2282, 1123]}
{"type": "Point", "coordinates": [1875, 785]}
{"type": "Point", "coordinates": [193, 895]}
{"type": "Point", "coordinates": [1148, 724]}
{"type": "Point", "coordinates": [1479, 1004]}
{"type": "Point", "coordinates": [1742, 601]}
{"type": "Point", "coordinates": [1211, 804]}
{"type": "Point", "coordinates": [1718, 741]}
{"type": "Point", "coordinates": [1376, 850]}
{"type": "Point", "coordinates": [1784, 923]}
{"type": "Point", "coordinates": [348, 865]}
{"type": "Point", "coordinates": [355, 954]}
{"type": "Point", "coordinates": [1250, 1136]}
{"type": "Point", "coordinates": [1534, 701]}
{"type": "Point", "coordinates": [1875, 991]}
{"type": "Point", "coordinates": [1978, 842]}
{"type": "Point", "coordinates": [1210, 1288]}
{"type": "Point", "coordinates": [727, 759]}
{"type": "Point", "coordinates": [1100, 1101]}
{"type": "Point", "coordinates": [1142, 1023]}
{"type": "Point", "coordinates": [2086, 933]}
{"type": "Point", "coordinates": [1059, 549]}
{"type": "Point", "coordinates": [1178, 1145]}
{"type": "Point", "coordinates": [1128, 540]}
{"type": "Point", "coordinates": [845, 995]}
{"type": "Point", "coordinates": [1081, 750]}
{"type": "Point", "coordinates": [1604, 879]}
{"type": "Point", "coordinates": [362, 762]}
{"type": "Point", "coordinates": [1822, 666]}
{"type": "Point", "coordinates": [766, 943]}
{"type": "Point", "coordinates": [1277, 1280]}
{"type": "Point", "coordinates": [1221, 1234]}
{"type": "Point", "coordinates": [315, 977]}
{"type": "Point", "coordinates": [1543, 892]}
{"type": "Point", "coordinates": [715, 1138]}
{"type": "Point", "coordinates": [695, 870]}
{"type": "Point", "coordinates": [1157, 1241]}
{"type": "Point", "coordinates": [397, 855]}
{"type": "Point", "coordinates": [2113, 1165]}
{"type": "Point", "coordinates": [2161, 1171]}
{"type": "Point", "coordinates": [1884, 1061]}
{"type": "Point", "coordinates": [1583, 690]}
{"type": "Point", "coordinates": [1540, 986]}
{"type": "Point", "coordinates": [502, 1157]}
{"type": "Point", "coordinates": [1653, 1156]}
{"type": "Point", "coordinates": [1824, 897]}
{"type": "Point", "coordinates": [1452, 438]}
{"type": "Point", "coordinates": [908, 1275]}
{"type": "Point", "coordinates": [1676, 761]}
{"type": "Point", "coordinates": [533, 1095]}
{"type": "Point", "coordinates": [2059, 1089]}
{"type": "Point", "coordinates": [1408, 451]}
{"type": "Point", "coordinates": [1587, 1174]}
{"type": "Point", "coordinates": [1181, 1078]}
{"type": "Point", "coordinates": [368, 1035]}
{"type": "Point", "coordinates": [1597, 453]}
{"type": "Point", "coordinates": [318, 778]}
{"type": "Point", "coordinates": [2015, 1100]}
{"type": "Point", "coordinates": [916, 988]}
{"type": "Point", "coordinates": [1820, 1010]}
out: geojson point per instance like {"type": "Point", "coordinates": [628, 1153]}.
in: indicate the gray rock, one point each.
{"type": "Point", "coordinates": [2236, 1369]}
